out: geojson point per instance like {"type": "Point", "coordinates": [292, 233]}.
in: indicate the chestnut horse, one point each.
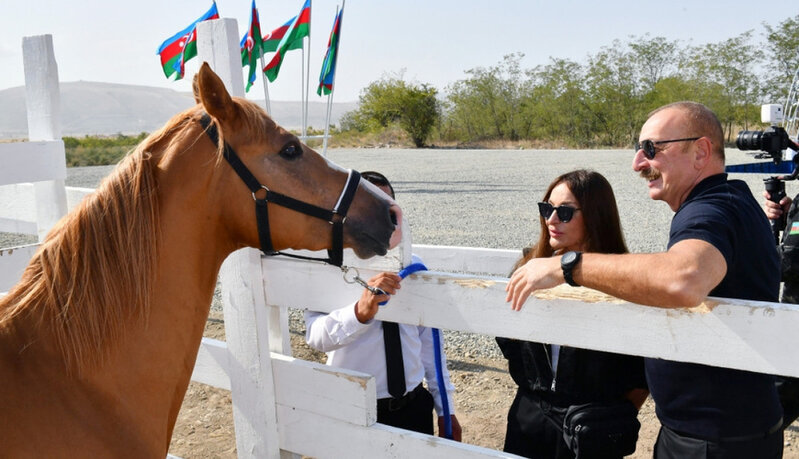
{"type": "Point", "coordinates": [99, 338]}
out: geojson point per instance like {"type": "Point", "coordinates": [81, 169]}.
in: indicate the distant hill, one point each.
{"type": "Point", "coordinates": [89, 108]}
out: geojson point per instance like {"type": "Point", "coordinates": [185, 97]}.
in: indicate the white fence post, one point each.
{"type": "Point", "coordinates": [218, 44]}
{"type": "Point", "coordinates": [43, 100]}
{"type": "Point", "coordinates": [246, 323]}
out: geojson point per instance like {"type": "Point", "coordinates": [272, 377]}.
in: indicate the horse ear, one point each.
{"type": "Point", "coordinates": [195, 88]}
{"type": "Point", "coordinates": [213, 95]}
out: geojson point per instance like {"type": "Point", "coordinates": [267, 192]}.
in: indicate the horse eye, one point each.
{"type": "Point", "coordinates": [291, 150]}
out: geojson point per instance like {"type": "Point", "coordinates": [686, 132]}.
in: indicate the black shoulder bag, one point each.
{"type": "Point", "coordinates": [598, 430]}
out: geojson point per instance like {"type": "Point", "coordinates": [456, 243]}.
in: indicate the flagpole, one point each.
{"type": "Point", "coordinates": [308, 70]}
{"type": "Point", "coordinates": [327, 120]}
{"type": "Point", "coordinates": [266, 87]}
{"type": "Point", "coordinates": [303, 94]}
{"type": "Point", "coordinates": [333, 89]}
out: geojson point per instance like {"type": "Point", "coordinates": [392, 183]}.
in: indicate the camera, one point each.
{"type": "Point", "coordinates": [772, 141]}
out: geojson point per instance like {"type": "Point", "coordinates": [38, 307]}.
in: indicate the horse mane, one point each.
{"type": "Point", "coordinates": [95, 271]}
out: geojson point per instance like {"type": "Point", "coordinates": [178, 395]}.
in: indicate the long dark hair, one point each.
{"type": "Point", "coordinates": [600, 215]}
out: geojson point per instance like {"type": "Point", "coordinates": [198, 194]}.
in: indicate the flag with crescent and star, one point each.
{"type": "Point", "coordinates": [182, 46]}
{"type": "Point", "coordinates": [328, 73]}
{"type": "Point", "coordinates": [292, 39]}
{"type": "Point", "coordinates": [252, 47]}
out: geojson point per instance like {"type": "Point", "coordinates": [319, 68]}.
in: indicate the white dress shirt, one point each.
{"type": "Point", "coordinates": [356, 346]}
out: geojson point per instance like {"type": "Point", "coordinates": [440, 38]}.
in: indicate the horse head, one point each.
{"type": "Point", "coordinates": [280, 162]}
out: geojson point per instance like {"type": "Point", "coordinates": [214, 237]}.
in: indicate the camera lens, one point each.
{"type": "Point", "coordinates": [749, 140]}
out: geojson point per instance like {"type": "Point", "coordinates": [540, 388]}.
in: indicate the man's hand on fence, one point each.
{"type": "Point", "coordinates": [367, 305]}
{"type": "Point", "coordinates": [536, 274]}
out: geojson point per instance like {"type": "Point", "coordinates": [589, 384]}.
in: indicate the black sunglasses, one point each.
{"type": "Point", "coordinates": [649, 145]}
{"type": "Point", "coordinates": [565, 213]}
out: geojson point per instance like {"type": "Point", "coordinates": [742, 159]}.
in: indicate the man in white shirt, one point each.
{"type": "Point", "coordinates": [353, 339]}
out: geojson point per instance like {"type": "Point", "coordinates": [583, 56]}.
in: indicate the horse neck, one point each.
{"type": "Point", "coordinates": [154, 363]}
{"type": "Point", "coordinates": [142, 380]}
{"type": "Point", "coordinates": [192, 247]}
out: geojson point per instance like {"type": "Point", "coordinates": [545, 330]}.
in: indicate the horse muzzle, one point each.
{"type": "Point", "coordinates": [376, 232]}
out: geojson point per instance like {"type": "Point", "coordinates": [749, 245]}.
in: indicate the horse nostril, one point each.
{"type": "Point", "coordinates": [395, 214]}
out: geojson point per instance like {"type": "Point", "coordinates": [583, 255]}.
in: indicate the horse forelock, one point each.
{"type": "Point", "coordinates": [95, 271]}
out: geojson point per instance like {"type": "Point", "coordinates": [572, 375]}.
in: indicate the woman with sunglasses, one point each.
{"type": "Point", "coordinates": [578, 213]}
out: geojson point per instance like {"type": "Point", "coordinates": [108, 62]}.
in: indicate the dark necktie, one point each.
{"type": "Point", "coordinates": [395, 369]}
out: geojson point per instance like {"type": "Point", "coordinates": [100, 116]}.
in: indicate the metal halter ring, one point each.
{"type": "Point", "coordinates": [358, 280]}
{"type": "Point", "coordinates": [263, 187]}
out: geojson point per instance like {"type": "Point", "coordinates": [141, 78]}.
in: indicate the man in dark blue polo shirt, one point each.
{"type": "Point", "coordinates": [720, 244]}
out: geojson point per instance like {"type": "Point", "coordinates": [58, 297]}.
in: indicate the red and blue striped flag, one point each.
{"type": "Point", "coordinates": [272, 39]}
{"type": "Point", "coordinates": [328, 73]}
{"type": "Point", "coordinates": [182, 46]}
{"type": "Point", "coordinates": [252, 46]}
{"type": "Point", "coordinates": [292, 39]}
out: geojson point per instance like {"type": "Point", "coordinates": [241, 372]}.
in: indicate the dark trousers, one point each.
{"type": "Point", "coordinates": [672, 445]}
{"type": "Point", "coordinates": [535, 429]}
{"type": "Point", "coordinates": [417, 415]}
{"type": "Point", "coordinates": [788, 389]}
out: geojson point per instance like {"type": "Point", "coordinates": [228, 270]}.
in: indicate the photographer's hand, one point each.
{"type": "Point", "coordinates": [773, 210]}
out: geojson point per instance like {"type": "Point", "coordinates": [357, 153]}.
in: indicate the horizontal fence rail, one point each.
{"type": "Point", "coordinates": [751, 335]}
{"type": "Point", "coordinates": [32, 161]}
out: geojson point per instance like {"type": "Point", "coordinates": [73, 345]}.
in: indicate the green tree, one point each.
{"type": "Point", "coordinates": [420, 112]}
{"type": "Point", "coordinates": [558, 103]}
{"type": "Point", "coordinates": [654, 58]}
{"type": "Point", "coordinates": [614, 94]}
{"type": "Point", "coordinates": [413, 107]}
{"type": "Point", "coordinates": [730, 86]}
{"type": "Point", "coordinates": [782, 50]}
{"type": "Point", "coordinates": [490, 102]}
{"type": "Point", "coordinates": [671, 89]}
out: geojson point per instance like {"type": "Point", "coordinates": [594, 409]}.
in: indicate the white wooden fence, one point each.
{"type": "Point", "coordinates": [32, 173]}
{"type": "Point", "coordinates": [284, 406]}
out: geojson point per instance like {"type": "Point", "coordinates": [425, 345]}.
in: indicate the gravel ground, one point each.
{"type": "Point", "coordinates": [485, 198]}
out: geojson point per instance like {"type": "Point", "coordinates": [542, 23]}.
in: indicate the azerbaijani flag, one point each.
{"type": "Point", "coordinates": [328, 72]}
{"type": "Point", "coordinates": [272, 39]}
{"type": "Point", "coordinates": [182, 46]}
{"type": "Point", "coordinates": [252, 46]}
{"type": "Point", "coordinates": [292, 39]}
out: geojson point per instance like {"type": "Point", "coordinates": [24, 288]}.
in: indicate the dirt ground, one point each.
{"type": "Point", "coordinates": [484, 392]}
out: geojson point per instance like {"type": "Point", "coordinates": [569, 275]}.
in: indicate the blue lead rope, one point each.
{"type": "Point", "coordinates": [442, 390]}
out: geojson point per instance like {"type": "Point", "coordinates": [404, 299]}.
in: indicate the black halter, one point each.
{"type": "Point", "coordinates": [335, 217]}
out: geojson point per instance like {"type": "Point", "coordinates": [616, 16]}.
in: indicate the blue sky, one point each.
{"type": "Point", "coordinates": [432, 41]}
